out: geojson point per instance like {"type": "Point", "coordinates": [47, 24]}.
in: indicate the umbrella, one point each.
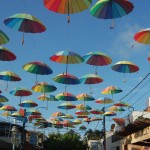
{"type": "Point", "coordinates": [116, 108]}
{"type": "Point", "coordinates": [111, 9]}
{"type": "Point", "coordinates": [9, 76]}
{"type": "Point", "coordinates": [82, 116]}
{"type": "Point", "coordinates": [37, 67]}
{"type": "Point", "coordinates": [82, 112]}
{"type": "Point", "coordinates": [33, 112]}
{"type": "Point", "coordinates": [31, 117]}
{"type": "Point", "coordinates": [16, 114]}
{"type": "Point", "coordinates": [67, 6]}
{"type": "Point", "coordinates": [45, 97]}
{"type": "Point", "coordinates": [6, 114]}
{"type": "Point", "coordinates": [28, 104]}
{"type": "Point", "coordinates": [83, 107]}
{"type": "Point", "coordinates": [111, 90]}
{"type": "Point", "coordinates": [122, 104]}
{"type": "Point", "coordinates": [57, 114]}
{"type": "Point", "coordinates": [21, 92]}
{"type": "Point", "coordinates": [67, 123]}
{"type": "Point", "coordinates": [96, 119]}
{"type": "Point", "coordinates": [66, 106]}
{"type": "Point", "coordinates": [125, 67]}
{"type": "Point", "coordinates": [82, 128]}
{"type": "Point", "coordinates": [96, 112]}
{"type": "Point", "coordinates": [85, 97]}
{"type": "Point", "coordinates": [109, 114]}
{"type": "Point", "coordinates": [68, 116]}
{"type": "Point", "coordinates": [104, 100]}
{"type": "Point", "coordinates": [66, 97]}
{"type": "Point", "coordinates": [6, 55]}
{"type": "Point", "coordinates": [3, 99]}
{"type": "Point", "coordinates": [25, 23]}
{"type": "Point", "coordinates": [3, 38]}
{"type": "Point", "coordinates": [77, 122]}
{"type": "Point", "coordinates": [88, 120]}
{"type": "Point", "coordinates": [67, 57]}
{"type": "Point", "coordinates": [97, 59]}
{"type": "Point", "coordinates": [91, 79]}
{"type": "Point", "coordinates": [8, 108]}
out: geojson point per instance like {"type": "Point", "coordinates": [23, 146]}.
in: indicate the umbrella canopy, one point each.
{"type": "Point", "coordinates": [116, 108]}
{"type": "Point", "coordinates": [37, 67]}
{"type": "Point", "coordinates": [25, 23]}
{"type": "Point", "coordinates": [77, 122]}
{"type": "Point", "coordinates": [96, 119]}
{"type": "Point", "coordinates": [122, 104]}
{"type": "Point", "coordinates": [82, 116]}
{"type": "Point", "coordinates": [148, 58]}
{"type": "Point", "coordinates": [67, 6]}
{"type": "Point", "coordinates": [6, 55]}
{"type": "Point", "coordinates": [108, 113]}
{"type": "Point", "coordinates": [28, 104]}
{"type": "Point", "coordinates": [83, 107]}
{"type": "Point", "coordinates": [96, 112]}
{"type": "Point", "coordinates": [97, 59]}
{"type": "Point", "coordinates": [3, 38]}
{"type": "Point", "coordinates": [43, 87]}
{"type": "Point", "coordinates": [88, 120]}
{"type": "Point", "coordinates": [33, 112]}
{"type": "Point", "coordinates": [68, 116]}
{"type": "Point", "coordinates": [111, 90]}
{"type": "Point", "coordinates": [110, 9]}
{"type": "Point", "coordinates": [67, 57]}
{"type": "Point", "coordinates": [8, 108]}
{"type": "Point", "coordinates": [16, 114]}
{"type": "Point", "coordinates": [85, 97]}
{"type": "Point", "coordinates": [57, 114]}
{"type": "Point", "coordinates": [45, 97]}
{"type": "Point", "coordinates": [6, 114]}
{"type": "Point", "coordinates": [143, 36]}
{"type": "Point", "coordinates": [66, 97]}
{"type": "Point", "coordinates": [3, 99]}
{"type": "Point", "coordinates": [66, 79]}
{"type": "Point", "coordinates": [66, 106]}
{"type": "Point", "coordinates": [125, 67]}
{"type": "Point", "coordinates": [82, 128]}
{"type": "Point", "coordinates": [104, 100]}
{"type": "Point", "coordinates": [82, 112]}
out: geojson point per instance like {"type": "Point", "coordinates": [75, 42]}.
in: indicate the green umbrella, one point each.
{"type": "Point", "coordinates": [3, 38]}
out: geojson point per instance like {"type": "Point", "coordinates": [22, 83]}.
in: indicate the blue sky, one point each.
{"type": "Point", "coordinates": [84, 34]}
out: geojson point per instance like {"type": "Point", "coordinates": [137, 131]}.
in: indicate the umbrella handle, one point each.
{"type": "Point", "coordinates": [112, 26]}
{"type": "Point", "coordinates": [22, 40]}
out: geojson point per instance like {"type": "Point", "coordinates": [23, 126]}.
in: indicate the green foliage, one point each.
{"type": "Point", "coordinates": [92, 135]}
{"type": "Point", "coordinates": [67, 141]}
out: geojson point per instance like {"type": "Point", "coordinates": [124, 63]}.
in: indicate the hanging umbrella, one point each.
{"type": "Point", "coordinates": [66, 97]}
{"type": "Point", "coordinates": [91, 79]}
{"type": "Point", "coordinates": [83, 107]}
{"type": "Point", "coordinates": [122, 104]}
{"type": "Point", "coordinates": [96, 112]}
{"type": "Point", "coordinates": [82, 128]}
{"type": "Point", "coordinates": [67, 116]}
{"type": "Point", "coordinates": [116, 108]}
{"type": "Point", "coordinates": [85, 97]}
{"type": "Point", "coordinates": [67, 57]}
{"type": "Point", "coordinates": [96, 119]}
{"type": "Point", "coordinates": [9, 76]}
{"type": "Point", "coordinates": [21, 92]}
{"type": "Point", "coordinates": [111, 90]}
{"type": "Point", "coordinates": [3, 99]}
{"type": "Point", "coordinates": [28, 104]}
{"type": "Point", "coordinates": [97, 59]}
{"type": "Point", "coordinates": [16, 114]}
{"type": "Point", "coordinates": [33, 112]}
{"type": "Point", "coordinates": [8, 108]}
{"type": "Point", "coordinates": [6, 55]}
{"type": "Point", "coordinates": [77, 122]}
{"type": "Point", "coordinates": [57, 114]}
{"type": "Point", "coordinates": [109, 114]}
{"type": "Point", "coordinates": [45, 97]}
{"type": "Point", "coordinates": [148, 58]}
{"type": "Point", "coordinates": [104, 100]}
{"type": "Point", "coordinates": [82, 116]}
{"type": "Point", "coordinates": [111, 9]}
{"type": "Point", "coordinates": [6, 114]}
{"type": "Point", "coordinates": [31, 117]}
{"type": "Point", "coordinates": [66, 106]}
{"type": "Point", "coordinates": [3, 38]}
{"type": "Point", "coordinates": [25, 23]}
{"type": "Point", "coordinates": [88, 120]}
{"type": "Point", "coordinates": [37, 67]}
{"type": "Point", "coordinates": [67, 6]}
{"type": "Point", "coordinates": [82, 112]}
{"type": "Point", "coordinates": [67, 123]}
{"type": "Point", "coordinates": [125, 67]}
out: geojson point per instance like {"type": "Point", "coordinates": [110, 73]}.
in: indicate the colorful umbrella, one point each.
{"type": "Point", "coordinates": [104, 100]}
{"type": "Point", "coordinates": [33, 112]}
{"type": "Point", "coordinates": [37, 67]}
{"type": "Point", "coordinates": [66, 97]}
{"type": "Point", "coordinates": [122, 104]}
{"type": "Point", "coordinates": [88, 120]}
{"type": "Point", "coordinates": [97, 59]}
{"type": "Point", "coordinates": [67, 57]}
{"type": "Point", "coordinates": [6, 55]}
{"type": "Point", "coordinates": [109, 114]}
{"type": "Point", "coordinates": [77, 122]}
{"type": "Point", "coordinates": [8, 108]}
{"type": "Point", "coordinates": [25, 23]}
{"type": "Point", "coordinates": [82, 112]}
{"type": "Point", "coordinates": [57, 114]}
{"type": "Point", "coordinates": [116, 108]}
{"type": "Point", "coordinates": [9, 76]}
{"type": "Point", "coordinates": [96, 119]}
{"type": "Point", "coordinates": [28, 104]}
{"type": "Point", "coordinates": [85, 97]}
{"type": "Point", "coordinates": [91, 79]}
{"type": "Point", "coordinates": [82, 128]}
{"type": "Point", "coordinates": [16, 114]}
{"type": "Point", "coordinates": [67, 123]}
{"type": "Point", "coordinates": [3, 38]}
{"type": "Point", "coordinates": [67, 6]}
{"type": "Point", "coordinates": [21, 92]}
{"type": "Point", "coordinates": [82, 116]}
{"type": "Point", "coordinates": [6, 114]}
{"type": "Point", "coordinates": [83, 107]}
{"type": "Point", "coordinates": [96, 112]}
{"type": "Point", "coordinates": [45, 97]}
{"type": "Point", "coordinates": [68, 116]}
{"type": "Point", "coordinates": [3, 99]}
{"type": "Point", "coordinates": [66, 106]}
{"type": "Point", "coordinates": [125, 67]}
{"type": "Point", "coordinates": [111, 9]}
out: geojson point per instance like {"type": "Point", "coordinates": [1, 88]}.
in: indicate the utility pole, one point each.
{"type": "Point", "coordinates": [104, 130]}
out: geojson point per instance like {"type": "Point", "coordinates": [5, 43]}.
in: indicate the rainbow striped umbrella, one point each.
{"type": "Point", "coordinates": [66, 97]}
{"type": "Point", "coordinates": [3, 38]}
{"type": "Point", "coordinates": [33, 112]}
{"type": "Point", "coordinates": [16, 114]}
{"type": "Point", "coordinates": [77, 122]}
{"type": "Point", "coordinates": [85, 97]}
{"type": "Point", "coordinates": [67, 6]}
{"type": "Point", "coordinates": [111, 9]}
{"type": "Point", "coordinates": [97, 59]}
{"type": "Point", "coordinates": [57, 114]}
{"type": "Point", "coordinates": [6, 55]}
{"type": "Point", "coordinates": [122, 104]}
{"type": "Point", "coordinates": [96, 112]}
{"type": "Point", "coordinates": [28, 104]}
{"type": "Point", "coordinates": [83, 107]}
{"type": "Point", "coordinates": [116, 108]}
{"type": "Point", "coordinates": [125, 67]}
{"type": "Point", "coordinates": [38, 67]}
{"type": "Point", "coordinates": [104, 100]}
{"type": "Point", "coordinates": [8, 108]}
{"type": "Point", "coordinates": [6, 114]}
{"type": "Point", "coordinates": [82, 116]}
{"type": "Point", "coordinates": [3, 99]}
{"type": "Point", "coordinates": [88, 120]}
{"type": "Point", "coordinates": [25, 23]}
{"type": "Point", "coordinates": [67, 116]}
{"type": "Point", "coordinates": [96, 119]}
{"type": "Point", "coordinates": [82, 112]}
{"type": "Point", "coordinates": [45, 97]}
{"type": "Point", "coordinates": [108, 113]}
{"type": "Point", "coordinates": [67, 57]}
{"type": "Point", "coordinates": [66, 106]}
